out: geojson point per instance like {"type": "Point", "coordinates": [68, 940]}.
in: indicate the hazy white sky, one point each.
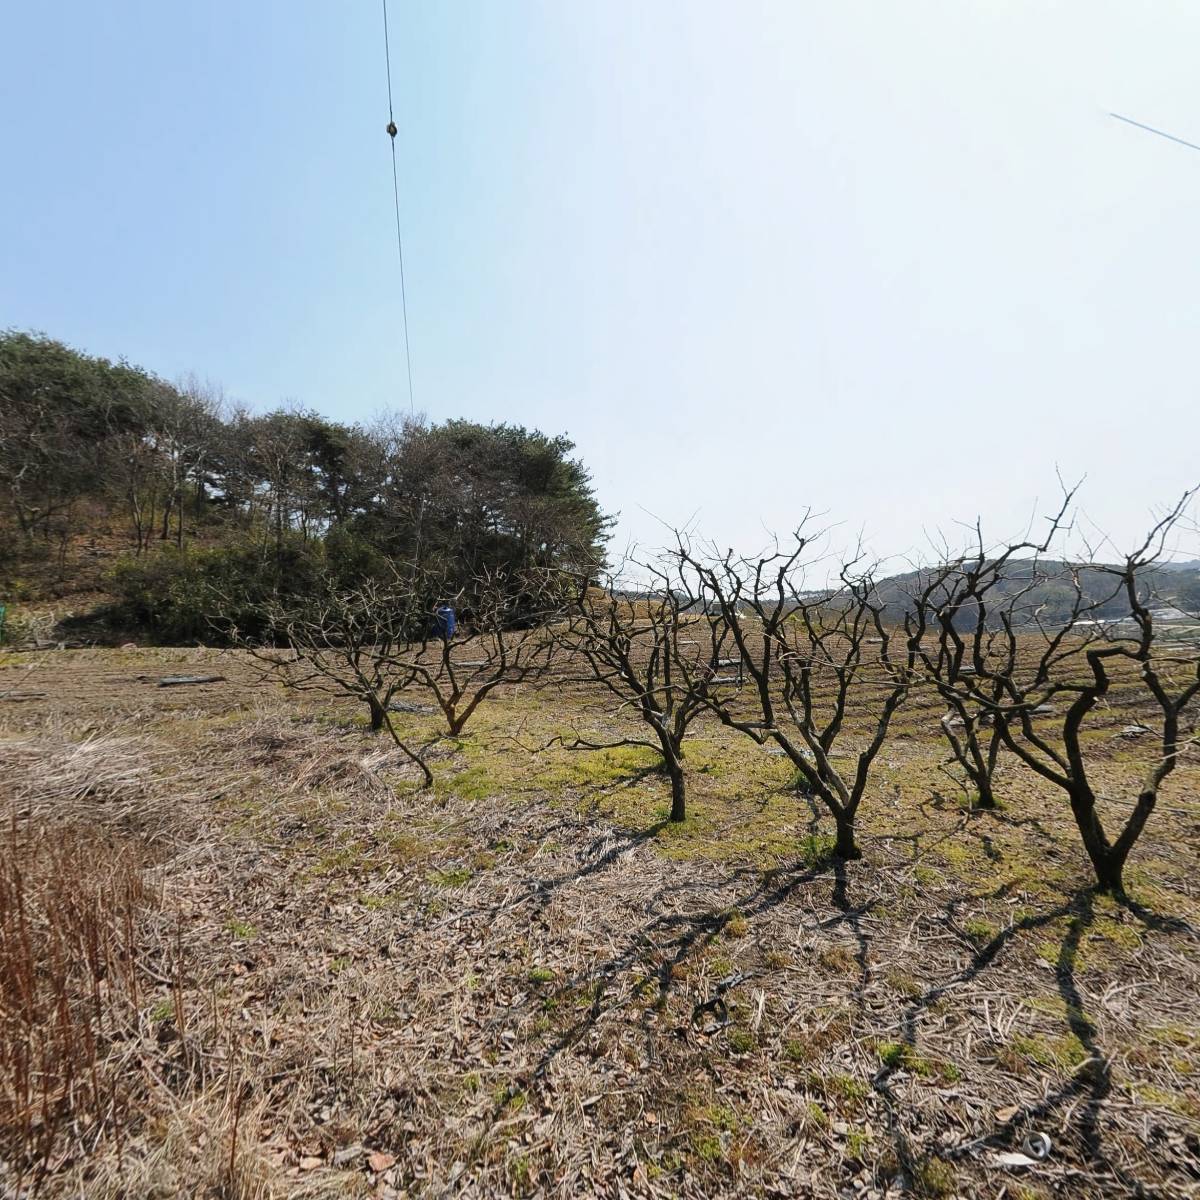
{"type": "Point", "coordinates": [894, 262]}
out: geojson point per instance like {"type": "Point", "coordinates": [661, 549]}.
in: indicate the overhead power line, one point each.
{"type": "Point", "coordinates": [1150, 129]}
{"type": "Point", "coordinates": [392, 131]}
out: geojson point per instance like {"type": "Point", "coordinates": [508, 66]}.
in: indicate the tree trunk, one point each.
{"type": "Point", "coordinates": [846, 847]}
{"type": "Point", "coordinates": [678, 791]}
{"type": "Point", "coordinates": [1107, 862]}
{"type": "Point", "coordinates": [1109, 875]}
{"type": "Point", "coordinates": [378, 714]}
{"type": "Point", "coordinates": [969, 755]}
{"type": "Point", "coordinates": [673, 765]}
{"type": "Point", "coordinates": [989, 770]}
{"type": "Point", "coordinates": [985, 797]}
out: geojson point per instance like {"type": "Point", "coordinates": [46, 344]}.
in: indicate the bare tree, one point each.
{"type": "Point", "coordinates": [135, 470]}
{"type": "Point", "coordinates": [974, 736]}
{"type": "Point", "coordinates": [975, 741]}
{"type": "Point", "coordinates": [346, 642]}
{"type": "Point", "coordinates": [655, 650]}
{"type": "Point", "coordinates": [503, 636]}
{"type": "Point", "coordinates": [954, 601]}
{"type": "Point", "coordinates": [152, 464]}
{"type": "Point", "coordinates": [1004, 658]}
{"type": "Point", "coordinates": [383, 638]}
{"type": "Point", "coordinates": [187, 426]}
{"type": "Point", "coordinates": [810, 658]}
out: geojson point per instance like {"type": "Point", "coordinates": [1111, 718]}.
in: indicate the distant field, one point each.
{"type": "Point", "coordinates": [326, 982]}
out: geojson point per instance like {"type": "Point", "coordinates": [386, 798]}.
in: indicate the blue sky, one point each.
{"type": "Point", "coordinates": [893, 262]}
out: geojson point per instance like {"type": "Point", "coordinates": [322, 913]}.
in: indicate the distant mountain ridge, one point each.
{"type": "Point", "coordinates": [1051, 590]}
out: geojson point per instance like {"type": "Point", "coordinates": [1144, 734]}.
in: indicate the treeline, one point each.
{"type": "Point", "coordinates": [207, 500]}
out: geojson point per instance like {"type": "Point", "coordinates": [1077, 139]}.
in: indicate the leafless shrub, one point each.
{"type": "Point", "coordinates": [951, 608]}
{"type": "Point", "coordinates": [505, 637]}
{"type": "Point", "coordinates": [384, 638]}
{"type": "Point", "coordinates": [346, 642]}
{"type": "Point", "coordinates": [655, 651]}
{"type": "Point", "coordinates": [996, 656]}
{"type": "Point", "coordinates": [808, 654]}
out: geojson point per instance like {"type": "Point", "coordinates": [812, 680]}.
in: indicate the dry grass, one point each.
{"type": "Point", "coordinates": [523, 983]}
{"type": "Point", "coordinates": [116, 1077]}
{"type": "Point", "coordinates": [101, 781]}
{"type": "Point", "coordinates": [308, 759]}
{"type": "Point", "coordinates": [70, 907]}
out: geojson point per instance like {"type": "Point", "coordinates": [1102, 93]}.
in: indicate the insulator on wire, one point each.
{"type": "Point", "coordinates": [391, 128]}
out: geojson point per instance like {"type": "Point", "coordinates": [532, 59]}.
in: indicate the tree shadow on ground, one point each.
{"type": "Point", "coordinates": [1079, 1101]}
{"type": "Point", "coordinates": [971, 820]}
{"type": "Point", "coordinates": [654, 961]}
{"type": "Point", "coordinates": [655, 957]}
{"type": "Point", "coordinates": [921, 841]}
{"type": "Point", "coordinates": [981, 960]}
{"type": "Point", "coordinates": [851, 915]}
{"type": "Point", "coordinates": [658, 953]}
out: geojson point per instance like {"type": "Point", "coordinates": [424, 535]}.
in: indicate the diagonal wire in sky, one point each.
{"type": "Point", "coordinates": [1150, 129]}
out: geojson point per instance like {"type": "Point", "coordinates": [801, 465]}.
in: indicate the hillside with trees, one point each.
{"type": "Point", "coordinates": [166, 497]}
